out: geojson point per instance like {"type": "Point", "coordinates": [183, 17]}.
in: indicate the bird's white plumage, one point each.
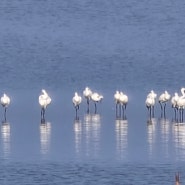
{"type": "Point", "coordinates": [123, 99]}
{"type": "Point", "coordinates": [150, 101]}
{"type": "Point", "coordinates": [5, 100]}
{"type": "Point", "coordinates": [96, 97]}
{"type": "Point", "coordinates": [164, 97]}
{"type": "Point", "coordinates": [44, 99]}
{"type": "Point", "coordinates": [116, 97]}
{"type": "Point", "coordinates": [174, 100]}
{"type": "Point", "coordinates": [87, 93]}
{"type": "Point", "coordinates": [181, 100]}
{"type": "Point", "coordinates": [77, 99]}
{"type": "Point", "coordinates": [152, 94]}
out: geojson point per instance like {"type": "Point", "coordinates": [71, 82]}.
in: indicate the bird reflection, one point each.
{"type": "Point", "coordinates": [165, 134]}
{"type": "Point", "coordinates": [5, 134]}
{"type": "Point", "coordinates": [121, 129]}
{"type": "Point", "coordinates": [92, 124]}
{"type": "Point", "coordinates": [179, 140]}
{"type": "Point", "coordinates": [78, 135]}
{"type": "Point", "coordinates": [45, 132]}
{"type": "Point", "coordinates": [151, 131]}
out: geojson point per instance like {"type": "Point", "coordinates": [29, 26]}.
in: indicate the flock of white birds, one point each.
{"type": "Point", "coordinates": [177, 102]}
{"type": "Point", "coordinates": [121, 100]}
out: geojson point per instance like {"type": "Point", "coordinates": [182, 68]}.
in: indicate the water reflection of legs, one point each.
{"type": "Point", "coordinates": [45, 131]}
{"type": "Point", "coordinates": [78, 135]}
{"type": "Point", "coordinates": [5, 133]}
{"type": "Point", "coordinates": [151, 125]}
{"type": "Point", "coordinates": [121, 129]}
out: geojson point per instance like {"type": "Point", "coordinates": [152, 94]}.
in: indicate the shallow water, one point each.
{"type": "Point", "coordinates": [63, 46]}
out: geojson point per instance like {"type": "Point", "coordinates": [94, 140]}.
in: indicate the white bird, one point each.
{"type": "Point", "coordinates": [174, 101]}
{"type": "Point", "coordinates": [87, 94]}
{"type": "Point", "coordinates": [116, 98]}
{"type": "Point", "coordinates": [150, 102]}
{"type": "Point", "coordinates": [44, 101]}
{"type": "Point", "coordinates": [96, 98]}
{"type": "Point", "coordinates": [123, 99]}
{"type": "Point", "coordinates": [163, 99]}
{"type": "Point", "coordinates": [181, 103]}
{"type": "Point", "coordinates": [5, 101]}
{"type": "Point", "coordinates": [76, 102]}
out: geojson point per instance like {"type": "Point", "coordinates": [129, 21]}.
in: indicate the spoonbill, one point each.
{"type": "Point", "coordinates": [116, 98]}
{"type": "Point", "coordinates": [181, 104]}
{"type": "Point", "coordinates": [5, 101]}
{"type": "Point", "coordinates": [123, 99]}
{"type": "Point", "coordinates": [174, 101]}
{"type": "Point", "coordinates": [150, 102]}
{"type": "Point", "coordinates": [76, 102]}
{"type": "Point", "coordinates": [44, 101]}
{"type": "Point", "coordinates": [163, 99]}
{"type": "Point", "coordinates": [87, 94]}
{"type": "Point", "coordinates": [96, 98]}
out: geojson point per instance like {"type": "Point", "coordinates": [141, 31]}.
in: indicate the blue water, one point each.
{"type": "Point", "coordinates": [64, 46]}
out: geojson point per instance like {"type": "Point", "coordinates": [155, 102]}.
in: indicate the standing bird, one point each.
{"type": "Point", "coordinates": [150, 102]}
{"type": "Point", "coordinates": [116, 98]}
{"type": "Point", "coordinates": [76, 102]}
{"type": "Point", "coordinates": [44, 101]}
{"type": "Point", "coordinates": [181, 104]}
{"type": "Point", "coordinates": [163, 99]}
{"type": "Point", "coordinates": [174, 101]}
{"type": "Point", "coordinates": [87, 94]}
{"type": "Point", "coordinates": [123, 99]}
{"type": "Point", "coordinates": [5, 101]}
{"type": "Point", "coordinates": [96, 98]}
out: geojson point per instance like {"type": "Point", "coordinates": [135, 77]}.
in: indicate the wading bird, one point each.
{"type": "Point", "coordinates": [163, 99]}
{"type": "Point", "coordinates": [76, 102]}
{"type": "Point", "coordinates": [123, 99]}
{"type": "Point", "coordinates": [174, 101]}
{"type": "Point", "coordinates": [116, 98]}
{"type": "Point", "coordinates": [150, 102]}
{"type": "Point", "coordinates": [181, 104]}
{"type": "Point", "coordinates": [5, 101]}
{"type": "Point", "coordinates": [87, 94]}
{"type": "Point", "coordinates": [44, 101]}
{"type": "Point", "coordinates": [96, 98]}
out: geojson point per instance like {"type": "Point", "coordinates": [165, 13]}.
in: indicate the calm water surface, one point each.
{"type": "Point", "coordinates": [63, 46]}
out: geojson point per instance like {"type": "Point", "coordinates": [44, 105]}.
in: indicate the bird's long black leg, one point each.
{"type": "Point", "coordinates": [116, 110]}
{"type": "Point", "coordinates": [182, 115]}
{"type": "Point", "coordinates": [164, 110]}
{"type": "Point", "coordinates": [76, 108]}
{"type": "Point", "coordinates": [5, 114]}
{"type": "Point", "coordinates": [87, 105]}
{"type": "Point", "coordinates": [120, 110]}
{"type": "Point", "coordinates": [161, 109]}
{"type": "Point", "coordinates": [95, 107]}
{"type": "Point", "coordinates": [123, 111]}
{"type": "Point", "coordinates": [149, 111]}
{"type": "Point", "coordinates": [153, 111]}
